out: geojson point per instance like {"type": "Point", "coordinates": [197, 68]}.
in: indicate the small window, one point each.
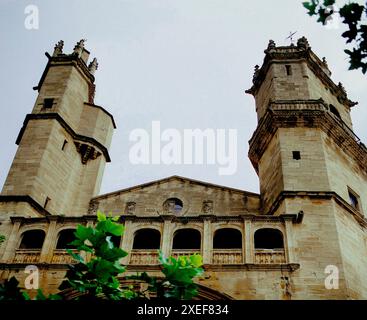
{"type": "Point", "coordinates": [288, 69]}
{"type": "Point", "coordinates": [47, 201]}
{"type": "Point", "coordinates": [353, 199]}
{"type": "Point", "coordinates": [48, 103]}
{"type": "Point", "coordinates": [64, 145]}
{"type": "Point", "coordinates": [296, 155]}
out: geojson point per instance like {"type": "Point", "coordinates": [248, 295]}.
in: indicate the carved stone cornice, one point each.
{"type": "Point", "coordinates": [87, 152]}
{"type": "Point", "coordinates": [328, 195]}
{"type": "Point", "coordinates": [310, 114]}
{"type": "Point", "coordinates": [25, 198]}
{"type": "Point", "coordinates": [77, 137]}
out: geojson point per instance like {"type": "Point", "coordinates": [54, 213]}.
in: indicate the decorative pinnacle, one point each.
{"type": "Point", "coordinates": [78, 49]}
{"type": "Point", "coordinates": [58, 48]}
{"type": "Point", "coordinates": [271, 45]}
{"type": "Point", "coordinates": [303, 43]}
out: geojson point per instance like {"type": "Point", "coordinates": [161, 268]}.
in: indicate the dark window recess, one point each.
{"type": "Point", "coordinates": [64, 145]}
{"type": "Point", "coordinates": [333, 110]}
{"type": "Point", "coordinates": [147, 239]}
{"type": "Point", "coordinates": [268, 239]}
{"type": "Point", "coordinates": [353, 198]}
{"type": "Point", "coordinates": [65, 238]}
{"type": "Point", "coordinates": [47, 201]}
{"type": "Point", "coordinates": [227, 238]}
{"type": "Point", "coordinates": [48, 103]}
{"type": "Point", "coordinates": [296, 155]}
{"type": "Point", "coordinates": [288, 69]}
{"type": "Point", "coordinates": [187, 239]}
{"type": "Point", "coordinates": [32, 239]}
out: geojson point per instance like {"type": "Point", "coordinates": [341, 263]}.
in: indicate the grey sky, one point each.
{"type": "Point", "coordinates": [186, 63]}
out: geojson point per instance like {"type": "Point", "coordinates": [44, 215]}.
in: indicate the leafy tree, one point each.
{"type": "Point", "coordinates": [97, 278]}
{"type": "Point", "coordinates": [352, 15]}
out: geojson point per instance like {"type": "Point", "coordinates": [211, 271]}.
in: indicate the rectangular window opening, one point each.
{"type": "Point", "coordinates": [296, 155]}
{"type": "Point", "coordinates": [48, 103]}
{"type": "Point", "coordinates": [288, 68]}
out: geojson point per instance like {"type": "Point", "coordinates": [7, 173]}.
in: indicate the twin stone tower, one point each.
{"type": "Point", "coordinates": [303, 237]}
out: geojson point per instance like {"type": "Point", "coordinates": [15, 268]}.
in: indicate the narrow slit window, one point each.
{"type": "Point", "coordinates": [296, 155]}
{"type": "Point", "coordinates": [288, 69]}
{"type": "Point", "coordinates": [47, 201]}
{"type": "Point", "coordinates": [354, 199]}
{"type": "Point", "coordinates": [48, 103]}
{"type": "Point", "coordinates": [64, 145]}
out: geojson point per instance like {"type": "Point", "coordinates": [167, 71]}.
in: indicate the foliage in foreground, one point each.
{"type": "Point", "coordinates": [97, 277]}
{"type": "Point", "coordinates": [353, 15]}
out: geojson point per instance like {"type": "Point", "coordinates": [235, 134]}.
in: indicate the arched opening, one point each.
{"type": "Point", "coordinates": [227, 246]}
{"type": "Point", "coordinates": [334, 111]}
{"type": "Point", "coordinates": [269, 246]}
{"type": "Point", "coordinates": [227, 238]}
{"type": "Point", "coordinates": [187, 239]}
{"type": "Point", "coordinates": [173, 205]}
{"type": "Point", "coordinates": [268, 239]}
{"type": "Point", "coordinates": [145, 247]}
{"type": "Point", "coordinates": [32, 239]}
{"type": "Point", "coordinates": [147, 239]}
{"type": "Point", "coordinates": [66, 236]}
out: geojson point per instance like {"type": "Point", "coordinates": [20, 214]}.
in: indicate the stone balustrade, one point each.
{"type": "Point", "coordinates": [27, 256]}
{"type": "Point", "coordinates": [227, 256]}
{"type": "Point", "coordinates": [269, 256]}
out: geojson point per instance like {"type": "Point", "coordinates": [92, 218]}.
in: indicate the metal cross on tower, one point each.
{"type": "Point", "coordinates": [290, 37]}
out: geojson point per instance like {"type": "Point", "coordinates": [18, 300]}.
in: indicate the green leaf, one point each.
{"type": "Point", "coordinates": [311, 6]}
{"type": "Point", "coordinates": [101, 216]}
{"type": "Point", "coordinates": [196, 260]}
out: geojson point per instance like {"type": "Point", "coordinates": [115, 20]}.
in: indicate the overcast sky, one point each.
{"type": "Point", "coordinates": [185, 63]}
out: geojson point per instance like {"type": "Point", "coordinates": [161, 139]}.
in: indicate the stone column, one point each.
{"type": "Point", "coordinates": [289, 243]}
{"type": "Point", "coordinates": [127, 240]}
{"type": "Point", "coordinates": [249, 243]}
{"type": "Point", "coordinates": [12, 242]}
{"type": "Point", "coordinates": [207, 250]}
{"type": "Point", "coordinates": [50, 241]}
{"type": "Point", "coordinates": [166, 236]}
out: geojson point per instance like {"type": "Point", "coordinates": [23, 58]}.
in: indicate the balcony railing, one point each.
{"type": "Point", "coordinates": [269, 256]}
{"type": "Point", "coordinates": [184, 252]}
{"type": "Point", "coordinates": [144, 257]}
{"type": "Point", "coordinates": [27, 256]}
{"type": "Point", "coordinates": [62, 256]}
{"type": "Point", "coordinates": [227, 256]}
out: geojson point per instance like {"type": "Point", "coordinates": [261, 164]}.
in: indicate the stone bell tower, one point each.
{"type": "Point", "coordinates": [309, 160]}
{"type": "Point", "coordinates": [64, 141]}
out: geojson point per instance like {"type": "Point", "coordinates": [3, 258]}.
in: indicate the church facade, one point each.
{"type": "Point", "coordinates": [303, 237]}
